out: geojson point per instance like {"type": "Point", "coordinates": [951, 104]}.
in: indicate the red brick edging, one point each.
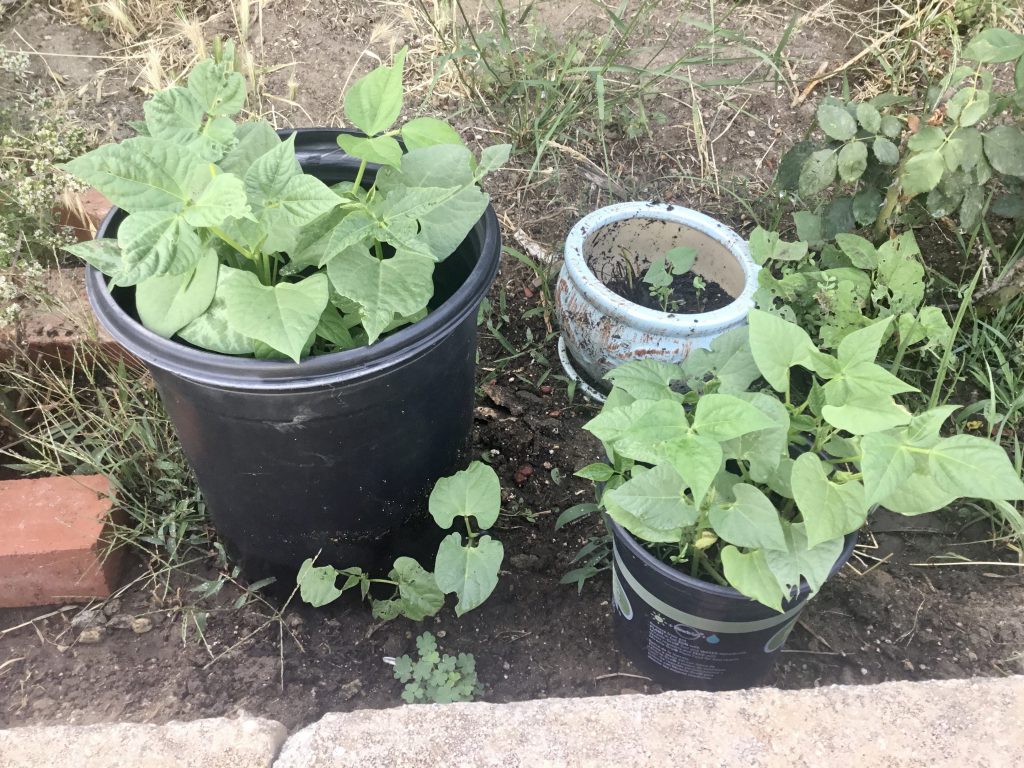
{"type": "Point", "coordinates": [53, 534]}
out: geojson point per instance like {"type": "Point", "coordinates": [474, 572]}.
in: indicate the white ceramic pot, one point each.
{"type": "Point", "coordinates": [601, 330]}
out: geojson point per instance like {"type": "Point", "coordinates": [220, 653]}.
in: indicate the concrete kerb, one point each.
{"type": "Point", "coordinates": [976, 722]}
{"type": "Point", "coordinates": [242, 742]}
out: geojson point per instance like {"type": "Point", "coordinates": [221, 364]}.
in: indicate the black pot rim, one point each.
{"type": "Point", "coordinates": [249, 373]}
{"type": "Point", "coordinates": [728, 593]}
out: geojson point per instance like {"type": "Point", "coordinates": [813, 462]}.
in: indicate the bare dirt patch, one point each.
{"type": "Point", "coordinates": [73, 69]}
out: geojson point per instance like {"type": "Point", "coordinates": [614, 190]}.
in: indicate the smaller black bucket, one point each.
{"type": "Point", "coordinates": [688, 633]}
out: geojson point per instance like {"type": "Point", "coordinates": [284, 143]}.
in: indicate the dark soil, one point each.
{"type": "Point", "coordinates": [884, 617]}
{"type": "Point", "coordinates": [684, 298]}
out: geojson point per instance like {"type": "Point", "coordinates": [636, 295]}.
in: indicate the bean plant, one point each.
{"type": "Point", "coordinates": [466, 564]}
{"type": "Point", "coordinates": [663, 271]}
{"type": "Point", "coordinates": [231, 247]}
{"type": "Point", "coordinates": [773, 452]}
{"type": "Point", "coordinates": [848, 286]}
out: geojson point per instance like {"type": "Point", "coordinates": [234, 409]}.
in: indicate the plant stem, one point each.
{"type": "Point", "coordinates": [231, 242]}
{"type": "Point", "coordinates": [359, 175]}
{"type": "Point", "coordinates": [788, 509]}
{"type": "Point", "coordinates": [892, 198]}
{"type": "Point", "coordinates": [379, 249]}
{"type": "Point", "coordinates": [947, 353]}
{"type": "Point", "coordinates": [712, 572]}
{"type": "Point", "coordinates": [901, 351]}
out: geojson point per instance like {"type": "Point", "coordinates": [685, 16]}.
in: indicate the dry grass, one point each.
{"type": "Point", "coordinates": [154, 42]}
{"type": "Point", "coordinates": [905, 43]}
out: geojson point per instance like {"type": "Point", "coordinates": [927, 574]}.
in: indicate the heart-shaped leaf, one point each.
{"type": "Point", "coordinates": [799, 560]}
{"type": "Point", "coordinates": [383, 288]}
{"type": "Point", "coordinates": [752, 521]}
{"type": "Point", "coordinates": [427, 132]}
{"type": "Point", "coordinates": [656, 500]}
{"type": "Point", "coordinates": [377, 149]}
{"type": "Point", "coordinates": [373, 102]}
{"type": "Point", "coordinates": [283, 316]}
{"type": "Point", "coordinates": [219, 91]}
{"type": "Point", "coordinates": [156, 243]}
{"type": "Point", "coordinates": [749, 574]}
{"type": "Point", "coordinates": [469, 572]}
{"type": "Point", "coordinates": [167, 303]}
{"type": "Point", "coordinates": [646, 379]}
{"type": "Point", "coordinates": [829, 510]}
{"type": "Point", "coordinates": [471, 492]}
{"type": "Point", "coordinates": [317, 583]}
{"type": "Point", "coordinates": [418, 590]}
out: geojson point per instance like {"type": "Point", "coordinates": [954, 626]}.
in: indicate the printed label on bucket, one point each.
{"type": "Point", "coordinates": [687, 651]}
{"type": "Point", "coordinates": [692, 647]}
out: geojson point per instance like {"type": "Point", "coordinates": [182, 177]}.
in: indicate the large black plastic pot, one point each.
{"type": "Point", "coordinates": [339, 452]}
{"type": "Point", "coordinates": [688, 633]}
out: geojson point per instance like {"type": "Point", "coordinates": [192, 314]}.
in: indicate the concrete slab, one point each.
{"type": "Point", "coordinates": [216, 743]}
{"type": "Point", "coordinates": [960, 723]}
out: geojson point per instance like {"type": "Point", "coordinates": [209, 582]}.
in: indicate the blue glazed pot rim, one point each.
{"type": "Point", "coordinates": [652, 320]}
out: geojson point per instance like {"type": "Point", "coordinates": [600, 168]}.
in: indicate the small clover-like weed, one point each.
{"type": "Point", "coordinates": [436, 678]}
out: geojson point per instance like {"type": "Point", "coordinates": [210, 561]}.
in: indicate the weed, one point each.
{"type": "Point", "coordinates": [95, 415]}
{"type": "Point", "coordinates": [436, 678]}
{"type": "Point", "coordinates": [34, 137]}
{"type": "Point", "coordinates": [906, 43]}
{"type": "Point", "coordinates": [583, 87]}
{"type": "Point", "coordinates": [595, 556]}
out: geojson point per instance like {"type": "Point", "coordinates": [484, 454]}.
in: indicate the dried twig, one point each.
{"type": "Point", "coordinates": [815, 635]}
{"type": "Point", "coordinates": [31, 622]}
{"type": "Point", "coordinates": [968, 563]}
{"type": "Point", "coordinates": [909, 634]}
{"type": "Point", "coordinates": [1003, 290]}
{"type": "Point", "coordinates": [622, 674]}
{"type": "Point", "coordinates": [821, 77]}
{"type": "Point", "coordinates": [11, 662]}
